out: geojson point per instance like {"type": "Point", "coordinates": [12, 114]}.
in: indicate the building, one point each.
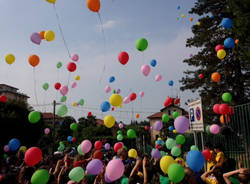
{"type": "Point", "coordinates": [12, 93]}
{"type": "Point", "coordinates": [48, 118]}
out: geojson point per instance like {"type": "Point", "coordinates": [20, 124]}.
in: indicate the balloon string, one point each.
{"type": "Point", "coordinates": [34, 76]}
{"type": "Point", "coordinates": [44, 98]}
{"type": "Point", "coordinates": [61, 31]}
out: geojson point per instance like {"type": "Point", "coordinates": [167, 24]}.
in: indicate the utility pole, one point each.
{"type": "Point", "coordinates": [54, 124]}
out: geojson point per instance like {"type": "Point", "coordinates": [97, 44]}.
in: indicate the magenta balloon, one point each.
{"type": "Point", "coordinates": [46, 131]}
{"type": "Point", "coordinates": [75, 57]}
{"type": "Point", "coordinates": [73, 85]}
{"type": "Point", "coordinates": [158, 78]}
{"type": "Point", "coordinates": [181, 124]}
{"type": "Point", "coordinates": [214, 129]}
{"type": "Point", "coordinates": [64, 90]}
{"type": "Point", "coordinates": [108, 89]}
{"type": "Point", "coordinates": [158, 125]}
{"type": "Point", "coordinates": [120, 125]}
{"type": "Point", "coordinates": [141, 94]}
{"type": "Point", "coordinates": [94, 167]}
{"type": "Point", "coordinates": [145, 69]}
{"type": "Point", "coordinates": [107, 146]}
{"type": "Point", "coordinates": [155, 153]}
{"type": "Point", "coordinates": [86, 146]}
{"type": "Point", "coordinates": [6, 148]}
{"type": "Point", "coordinates": [107, 180]}
{"type": "Point", "coordinates": [71, 182]}
{"type": "Point", "coordinates": [36, 38]}
{"type": "Point", "coordinates": [115, 169]}
{"type": "Point", "coordinates": [126, 100]}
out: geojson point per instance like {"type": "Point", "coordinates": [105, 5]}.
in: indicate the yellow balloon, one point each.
{"type": "Point", "coordinates": [51, 1]}
{"type": "Point", "coordinates": [174, 131]}
{"type": "Point", "coordinates": [132, 153]}
{"type": "Point", "coordinates": [10, 59]}
{"type": "Point", "coordinates": [221, 53]}
{"type": "Point", "coordinates": [115, 100]}
{"type": "Point", "coordinates": [109, 121]}
{"type": "Point", "coordinates": [77, 77]}
{"type": "Point", "coordinates": [74, 104]}
{"type": "Point", "coordinates": [165, 162]}
{"type": "Point", "coordinates": [180, 161]}
{"type": "Point", "coordinates": [23, 148]}
{"type": "Point", "coordinates": [159, 138]}
{"type": "Point", "coordinates": [183, 16]}
{"type": "Point", "coordinates": [198, 23]}
{"type": "Point", "coordinates": [49, 35]}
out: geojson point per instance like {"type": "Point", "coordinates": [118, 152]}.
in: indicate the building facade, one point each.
{"type": "Point", "coordinates": [12, 93]}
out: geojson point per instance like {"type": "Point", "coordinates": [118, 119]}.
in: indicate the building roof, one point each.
{"type": "Point", "coordinates": [14, 92]}
{"type": "Point", "coordinates": [155, 115]}
{"type": "Point", "coordinates": [177, 107]}
{"type": "Point", "coordinates": [99, 121]}
{"type": "Point", "coordinates": [49, 115]}
{"type": "Point", "coordinates": [8, 86]}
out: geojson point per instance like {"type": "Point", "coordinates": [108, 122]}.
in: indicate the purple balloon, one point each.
{"type": "Point", "coordinates": [158, 125]}
{"type": "Point", "coordinates": [6, 148]}
{"type": "Point", "coordinates": [181, 124]}
{"type": "Point", "coordinates": [155, 153]}
{"type": "Point", "coordinates": [36, 38]}
{"type": "Point", "coordinates": [118, 91]}
{"type": "Point", "coordinates": [107, 146]}
{"type": "Point", "coordinates": [94, 167]}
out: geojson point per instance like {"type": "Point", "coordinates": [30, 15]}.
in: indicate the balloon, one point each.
{"type": "Point", "coordinates": [62, 110]}
{"type": "Point", "coordinates": [81, 102]}
{"type": "Point", "coordinates": [76, 174]}
{"type": "Point", "coordinates": [229, 43]}
{"type": "Point", "coordinates": [141, 44]}
{"type": "Point", "coordinates": [33, 156]}
{"type": "Point", "coordinates": [226, 97]}
{"type": "Point", "coordinates": [221, 53]}
{"type": "Point", "coordinates": [183, 16]}
{"type": "Point", "coordinates": [107, 89]}
{"type": "Point", "coordinates": [165, 118]}
{"type": "Point", "coordinates": [145, 69]}
{"type": "Point", "coordinates": [118, 91]}
{"type": "Point", "coordinates": [10, 59]}
{"type": "Point", "coordinates": [23, 149]}
{"type": "Point", "coordinates": [168, 101]}
{"type": "Point", "coordinates": [34, 117]}
{"type": "Point", "coordinates": [51, 1]}
{"type": "Point", "coordinates": [86, 146]}
{"type": "Point", "coordinates": [57, 85]}
{"type": "Point", "coordinates": [207, 154]}
{"type": "Point", "coordinates": [131, 134]}
{"type": "Point", "coordinates": [46, 131]}
{"type": "Point", "coordinates": [107, 146]}
{"type": "Point", "coordinates": [71, 66]}
{"type": "Point", "coordinates": [98, 145]}
{"type": "Point", "coordinates": [176, 101]}
{"type": "Point", "coordinates": [123, 57]}
{"type": "Point", "coordinates": [208, 129]}
{"type": "Point", "coordinates": [191, 19]}
{"type": "Point", "coordinates": [153, 62]}
{"type": "Point", "coordinates": [41, 33]}
{"type": "Point", "coordinates": [226, 23]}
{"type": "Point", "coordinates": [155, 153]}
{"type": "Point", "coordinates": [40, 176]}
{"type": "Point", "coordinates": [111, 79]}
{"type": "Point", "coordinates": [198, 23]}
{"type": "Point", "coordinates": [193, 147]}
{"type": "Point", "coordinates": [216, 108]}
{"type": "Point", "coordinates": [120, 125]}
{"type": "Point", "coordinates": [109, 121]}
{"type": "Point", "coordinates": [215, 77]}
{"type": "Point", "coordinates": [63, 99]}
{"type": "Point", "coordinates": [6, 148]}
{"type": "Point", "coordinates": [77, 77]}
{"type": "Point", "coordinates": [141, 94]}
{"type": "Point", "coordinates": [214, 129]}
{"type": "Point", "coordinates": [165, 162]}
{"type": "Point", "coordinates": [115, 169]}
{"type": "Point", "coordinates": [171, 128]}
{"type": "Point", "coordinates": [158, 78]}
{"type": "Point", "coordinates": [73, 126]}
{"type": "Point", "coordinates": [195, 160]}
{"type": "Point", "coordinates": [73, 85]}
{"type": "Point", "coordinates": [49, 35]}
{"type": "Point", "coordinates": [105, 106]}
{"type": "Point", "coordinates": [14, 144]}
{"type": "Point", "coordinates": [36, 38]}
{"type": "Point", "coordinates": [219, 47]}
{"type": "Point", "coordinates": [132, 96]}
{"type": "Point", "coordinates": [3, 98]}
{"type": "Point", "coordinates": [175, 114]}
{"type": "Point", "coordinates": [59, 64]}
{"type": "Point", "coordinates": [117, 146]}
{"type": "Point", "coordinates": [158, 125]}
{"type": "Point", "coordinates": [176, 173]}
{"type": "Point", "coordinates": [119, 137]}
{"type": "Point", "coordinates": [170, 143]}
{"type": "Point", "coordinates": [64, 90]}
{"type": "Point", "coordinates": [89, 114]}
{"type": "Point", "coordinates": [236, 41]}
{"type": "Point", "coordinates": [46, 86]}
{"type": "Point", "coordinates": [137, 116]}
{"type": "Point", "coordinates": [181, 124]}
{"type": "Point", "coordinates": [171, 83]}
{"type": "Point", "coordinates": [178, 7]}
{"type": "Point", "coordinates": [115, 100]}
{"type": "Point", "coordinates": [74, 139]}
{"type": "Point", "coordinates": [94, 167]}
{"type": "Point", "coordinates": [201, 76]}
{"type": "Point", "coordinates": [132, 153]}
{"type": "Point", "coordinates": [175, 151]}
{"type": "Point", "coordinates": [79, 150]}
{"type": "Point", "coordinates": [224, 109]}
{"type": "Point", "coordinates": [34, 60]}
{"type": "Point", "coordinates": [180, 139]}
{"type": "Point", "coordinates": [94, 5]}
{"type": "Point", "coordinates": [75, 57]}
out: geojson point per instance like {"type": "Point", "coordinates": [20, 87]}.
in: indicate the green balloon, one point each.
{"type": "Point", "coordinates": [114, 91]}
{"type": "Point", "coordinates": [79, 150]}
{"type": "Point", "coordinates": [81, 102]}
{"type": "Point", "coordinates": [63, 99]}
{"type": "Point", "coordinates": [73, 126]}
{"type": "Point", "coordinates": [164, 180]}
{"type": "Point", "coordinates": [61, 143]}
{"type": "Point", "coordinates": [180, 139]}
{"type": "Point", "coordinates": [119, 132]}
{"type": "Point", "coordinates": [176, 173]}
{"type": "Point", "coordinates": [62, 110]}
{"type": "Point", "coordinates": [170, 143]}
{"type": "Point", "coordinates": [141, 44]}
{"type": "Point", "coordinates": [125, 147]}
{"type": "Point", "coordinates": [46, 86]}
{"type": "Point", "coordinates": [163, 153]}
{"type": "Point", "coordinates": [165, 118]}
{"type": "Point", "coordinates": [124, 180]}
{"type": "Point", "coordinates": [34, 117]}
{"type": "Point", "coordinates": [234, 180]}
{"type": "Point", "coordinates": [194, 148]}
{"type": "Point", "coordinates": [131, 134]}
{"type": "Point", "coordinates": [61, 148]}
{"type": "Point", "coordinates": [41, 176]}
{"type": "Point", "coordinates": [119, 137]}
{"type": "Point", "coordinates": [76, 174]}
{"type": "Point", "coordinates": [59, 64]}
{"type": "Point", "coordinates": [227, 97]}
{"type": "Point", "coordinates": [208, 129]}
{"type": "Point", "coordinates": [175, 114]}
{"type": "Point", "coordinates": [175, 151]}
{"type": "Point", "coordinates": [5, 156]}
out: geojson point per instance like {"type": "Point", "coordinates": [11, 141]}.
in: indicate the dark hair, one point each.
{"type": "Point", "coordinates": [218, 146]}
{"type": "Point", "coordinates": [244, 177]}
{"type": "Point", "coordinates": [219, 175]}
{"type": "Point", "coordinates": [209, 145]}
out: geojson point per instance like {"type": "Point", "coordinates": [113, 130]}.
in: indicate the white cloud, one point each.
{"type": "Point", "coordinates": [107, 25]}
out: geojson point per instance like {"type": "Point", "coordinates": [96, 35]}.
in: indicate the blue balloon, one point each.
{"type": "Point", "coordinates": [178, 7]}
{"type": "Point", "coordinates": [212, 16]}
{"type": "Point", "coordinates": [229, 43]}
{"type": "Point", "coordinates": [60, 123]}
{"type": "Point", "coordinates": [14, 144]}
{"type": "Point", "coordinates": [226, 23]}
{"type": "Point", "coordinates": [220, 15]}
{"type": "Point", "coordinates": [105, 106]}
{"type": "Point", "coordinates": [69, 138]}
{"type": "Point", "coordinates": [111, 79]}
{"type": "Point", "coordinates": [153, 62]}
{"type": "Point", "coordinates": [171, 128]}
{"type": "Point", "coordinates": [195, 160]}
{"type": "Point", "coordinates": [171, 83]}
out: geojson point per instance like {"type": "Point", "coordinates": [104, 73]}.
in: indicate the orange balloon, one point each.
{"type": "Point", "coordinates": [42, 34]}
{"type": "Point", "coordinates": [137, 115]}
{"type": "Point", "coordinates": [215, 77]}
{"type": "Point", "coordinates": [236, 41]}
{"type": "Point", "coordinates": [191, 19]}
{"type": "Point", "coordinates": [34, 60]}
{"type": "Point", "coordinates": [94, 5]}
{"type": "Point", "coordinates": [222, 119]}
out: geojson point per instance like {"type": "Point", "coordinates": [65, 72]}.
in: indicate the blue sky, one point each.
{"type": "Point", "coordinates": [123, 22]}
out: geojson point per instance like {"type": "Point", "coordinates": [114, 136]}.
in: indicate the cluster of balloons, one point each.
{"type": "Point", "coordinates": [36, 38]}
{"type": "Point", "coordinates": [222, 108]}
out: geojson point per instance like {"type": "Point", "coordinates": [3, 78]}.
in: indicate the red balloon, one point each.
{"type": "Point", "coordinates": [98, 145]}
{"type": "Point", "coordinates": [201, 76]}
{"type": "Point", "coordinates": [176, 101]}
{"type": "Point", "coordinates": [168, 101]}
{"type": "Point", "coordinates": [3, 98]}
{"type": "Point", "coordinates": [224, 109]}
{"type": "Point", "coordinates": [207, 154]}
{"type": "Point", "coordinates": [98, 155]}
{"type": "Point", "coordinates": [146, 128]}
{"type": "Point", "coordinates": [117, 146]}
{"type": "Point", "coordinates": [216, 108]}
{"type": "Point", "coordinates": [157, 146]}
{"type": "Point", "coordinates": [123, 57]}
{"type": "Point", "coordinates": [219, 47]}
{"type": "Point", "coordinates": [132, 96]}
{"type": "Point", "coordinates": [112, 109]}
{"type": "Point", "coordinates": [71, 66]}
{"type": "Point", "coordinates": [89, 113]}
{"type": "Point", "coordinates": [57, 85]}
{"type": "Point", "coordinates": [33, 156]}
{"type": "Point", "coordinates": [74, 140]}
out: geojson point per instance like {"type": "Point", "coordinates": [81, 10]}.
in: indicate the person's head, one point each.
{"type": "Point", "coordinates": [190, 177]}
{"type": "Point", "coordinates": [208, 145]}
{"type": "Point", "coordinates": [218, 148]}
{"type": "Point", "coordinates": [25, 174]}
{"type": "Point", "coordinates": [217, 172]}
{"type": "Point", "coordinates": [122, 154]}
{"type": "Point", "coordinates": [244, 178]}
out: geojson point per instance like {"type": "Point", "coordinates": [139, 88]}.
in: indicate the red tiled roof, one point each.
{"type": "Point", "coordinates": [99, 121]}
{"type": "Point", "coordinates": [49, 115]}
{"type": "Point", "coordinates": [155, 115]}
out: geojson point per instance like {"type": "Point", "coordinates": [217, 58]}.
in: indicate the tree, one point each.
{"type": "Point", "coordinates": [234, 68]}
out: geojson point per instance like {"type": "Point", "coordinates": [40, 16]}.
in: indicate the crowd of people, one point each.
{"type": "Point", "coordinates": [143, 169]}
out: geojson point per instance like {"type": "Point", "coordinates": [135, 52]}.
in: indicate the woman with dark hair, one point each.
{"type": "Point", "coordinates": [214, 176]}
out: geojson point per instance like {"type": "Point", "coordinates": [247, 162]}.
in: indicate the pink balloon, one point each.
{"type": "Point", "coordinates": [214, 129]}
{"type": "Point", "coordinates": [108, 89]}
{"type": "Point", "coordinates": [6, 148]}
{"type": "Point", "coordinates": [64, 90]}
{"type": "Point", "coordinates": [126, 100]}
{"type": "Point", "coordinates": [36, 38]}
{"type": "Point", "coordinates": [158, 78]}
{"type": "Point", "coordinates": [115, 169]}
{"type": "Point", "coordinates": [145, 69]}
{"type": "Point", "coordinates": [141, 94]}
{"type": "Point", "coordinates": [86, 146]}
{"type": "Point", "coordinates": [120, 125]}
{"type": "Point", "coordinates": [46, 131]}
{"type": "Point", "coordinates": [75, 57]}
{"type": "Point", "coordinates": [71, 182]}
{"type": "Point", "coordinates": [73, 85]}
